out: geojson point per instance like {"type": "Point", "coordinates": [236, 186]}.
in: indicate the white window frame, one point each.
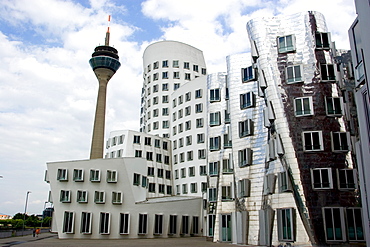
{"type": "Point", "coordinates": [112, 176]}
{"type": "Point", "coordinates": [99, 197]}
{"type": "Point", "coordinates": [65, 196]}
{"type": "Point", "coordinates": [246, 100]}
{"type": "Point", "coordinates": [286, 43]}
{"type": "Point", "coordinates": [215, 118]}
{"type": "Point", "coordinates": [78, 175]}
{"type": "Point", "coordinates": [340, 141]}
{"type": "Point", "coordinates": [94, 175]}
{"type": "Point", "coordinates": [293, 74]}
{"type": "Point", "coordinates": [158, 224]}
{"type": "Point", "coordinates": [215, 95]}
{"type": "Point", "coordinates": [86, 219]}
{"type": "Point", "coordinates": [244, 187]}
{"type": "Point", "coordinates": [284, 182]}
{"type": "Point", "coordinates": [347, 179]}
{"type": "Point", "coordinates": [248, 74]}
{"type": "Point", "coordinates": [172, 225]}
{"type": "Point", "coordinates": [286, 224]}
{"type": "Point", "coordinates": [318, 174]}
{"type": "Point", "coordinates": [82, 196]}
{"type": "Point", "coordinates": [62, 174]}
{"type": "Point", "coordinates": [303, 105]}
{"type": "Point", "coordinates": [117, 197]}
{"type": "Point", "coordinates": [124, 225]}
{"type": "Point", "coordinates": [330, 221]}
{"type": "Point", "coordinates": [245, 128]}
{"type": "Point", "coordinates": [104, 223]}
{"type": "Point", "coordinates": [312, 147]}
{"type": "Point", "coordinates": [68, 222]}
{"type": "Point", "coordinates": [325, 42]}
{"type": "Point", "coordinates": [327, 72]}
{"type": "Point", "coordinates": [334, 106]}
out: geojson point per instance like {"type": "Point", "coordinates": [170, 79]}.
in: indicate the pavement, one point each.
{"type": "Point", "coordinates": [51, 240]}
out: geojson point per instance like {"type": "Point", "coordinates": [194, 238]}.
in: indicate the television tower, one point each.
{"type": "Point", "coordinates": [105, 63]}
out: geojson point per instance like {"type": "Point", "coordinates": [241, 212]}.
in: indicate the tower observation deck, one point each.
{"type": "Point", "coordinates": [104, 63]}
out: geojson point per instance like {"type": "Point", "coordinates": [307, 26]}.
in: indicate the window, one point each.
{"type": "Point", "coordinates": [188, 125]}
{"type": "Point", "coordinates": [165, 75]}
{"type": "Point", "coordinates": [157, 143]}
{"type": "Point", "coordinates": [187, 76]}
{"type": "Point", "coordinates": [137, 139]}
{"type": "Point", "coordinates": [168, 174]}
{"type": "Point", "coordinates": [68, 222]}
{"type": "Point", "coordinates": [199, 108]}
{"type": "Point", "coordinates": [303, 106]}
{"type": "Point", "coordinates": [160, 172]}
{"type": "Point", "coordinates": [334, 106]}
{"type": "Point", "coordinates": [138, 153]}
{"type": "Point", "coordinates": [94, 175]}
{"type": "Point", "coordinates": [165, 145]}
{"type": "Point", "coordinates": [155, 65]}
{"type": "Point", "coordinates": [180, 128]}
{"type": "Point", "coordinates": [199, 122]}
{"type": "Point", "coordinates": [312, 141]}
{"type": "Point", "coordinates": [284, 182]}
{"type": "Point", "coordinates": [189, 155]}
{"type": "Point", "coordinates": [227, 141]}
{"type": "Point", "coordinates": [165, 87]}
{"type": "Point", "coordinates": [124, 225]}
{"type": "Point", "coordinates": [164, 63]}
{"type": "Point", "coordinates": [149, 156]}
{"type": "Point", "coordinates": [104, 223]}
{"type": "Point", "coordinates": [186, 65]}
{"type": "Point", "coordinates": [200, 138]}
{"type": "Point", "coordinates": [246, 100]}
{"type": "Point", "coordinates": [151, 187]}
{"type": "Point", "coordinates": [327, 72]}
{"type": "Point", "coordinates": [78, 175]}
{"type": "Point", "coordinates": [81, 196]}
{"type": "Point", "coordinates": [111, 176]}
{"type": "Point", "coordinates": [176, 75]}
{"type": "Point", "coordinates": [227, 166]}
{"type": "Point", "coordinates": [321, 178]}
{"type": "Point", "coordinates": [155, 78]}
{"type": "Point", "coordinates": [167, 159]}
{"type": "Point", "coordinates": [149, 67]}
{"type": "Point", "coordinates": [201, 154]}
{"type": "Point", "coordinates": [293, 74]}
{"type": "Point", "coordinates": [164, 111]}
{"type": "Point", "coordinates": [193, 187]}
{"type": "Point", "coordinates": [245, 128]}
{"type": "Point", "coordinates": [172, 225]}
{"type": "Point", "coordinates": [183, 173]}
{"type": "Point", "coordinates": [176, 174]}
{"type": "Point", "coordinates": [204, 186]}
{"type": "Point", "coordinates": [322, 41]}
{"type": "Point", "coordinates": [184, 188]}
{"type": "Point", "coordinates": [215, 95]}
{"type": "Point", "coordinates": [65, 196]}
{"type": "Point", "coordinates": [158, 158]}
{"type": "Point", "coordinates": [175, 63]}
{"type": "Point", "coordinates": [86, 222]}
{"type": "Point", "coordinates": [195, 68]}
{"type": "Point", "coordinates": [144, 181]}
{"type": "Point", "coordinates": [248, 74]}
{"type": "Point", "coordinates": [185, 225]}
{"type": "Point", "coordinates": [155, 114]}
{"type": "Point", "coordinates": [215, 118]}
{"type": "Point", "coordinates": [136, 179]}
{"type": "Point", "coordinates": [354, 224]}
{"type": "Point", "coordinates": [245, 157]}
{"type": "Point", "coordinates": [174, 130]}
{"type": "Point", "coordinates": [286, 224]}
{"type": "Point", "coordinates": [188, 140]}
{"type": "Point", "coordinates": [227, 116]}
{"type": "Point", "coordinates": [195, 225]}
{"type": "Point", "coordinates": [334, 224]}
{"type": "Point", "coordinates": [212, 194]}
{"type": "Point", "coordinates": [347, 179]}
{"type": "Point", "coordinates": [214, 143]}
{"type": "Point", "coordinates": [180, 113]}
{"type": "Point", "coordinates": [204, 71]}
{"type": "Point", "coordinates": [198, 93]}
{"type": "Point", "coordinates": [169, 190]}
{"type": "Point", "coordinates": [202, 170]}
{"type": "Point", "coordinates": [62, 175]}
{"type": "Point", "coordinates": [226, 193]}
{"type": "Point", "coordinates": [155, 100]}
{"type": "Point", "coordinates": [165, 99]}
{"type": "Point", "coordinates": [286, 44]}
{"type": "Point", "coordinates": [191, 171]}
{"type": "Point", "coordinates": [148, 141]}
{"type": "Point", "coordinates": [116, 197]}
{"type": "Point", "coordinates": [244, 187]}
{"type": "Point", "coordinates": [158, 224]}
{"type": "Point", "coordinates": [211, 224]}
{"type": "Point", "coordinates": [340, 141]}
{"type": "Point", "coordinates": [213, 168]}
{"type": "Point", "coordinates": [161, 188]}
{"type": "Point", "coordinates": [187, 111]}
{"type": "Point", "coordinates": [99, 197]}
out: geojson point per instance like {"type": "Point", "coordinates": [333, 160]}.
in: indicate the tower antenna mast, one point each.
{"type": "Point", "coordinates": [107, 35]}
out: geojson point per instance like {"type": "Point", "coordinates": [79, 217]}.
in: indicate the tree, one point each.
{"type": "Point", "coordinates": [19, 216]}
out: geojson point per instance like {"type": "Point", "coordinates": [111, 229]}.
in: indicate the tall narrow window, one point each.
{"type": "Point", "coordinates": [195, 225]}
{"type": "Point", "coordinates": [226, 193]}
{"type": "Point", "coordinates": [124, 225]}
{"type": "Point", "coordinates": [94, 175]}
{"type": "Point", "coordinates": [116, 197]}
{"type": "Point", "coordinates": [214, 143]}
{"type": "Point", "coordinates": [143, 224]}
{"type": "Point", "coordinates": [173, 225]}
{"type": "Point", "coordinates": [286, 224]}
{"type": "Point", "coordinates": [158, 224]}
{"type": "Point", "coordinates": [68, 222]}
{"type": "Point", "coordinates": [334, 224]}
{"type": "Point", "coordinates": [215, 118]}
{"type": "Point", "coordinates": [86, 222]}
{"type": "Point", "coordinates": [322, 41]}
{"type": "Point", "coordinates": [212, 194]}
{"type": "Point", "coordinates": [327, 72]}
{"type": "Point", "coordinates": [245, 157]}
{"type": "Point", "coordinates": [213, 168]}
{"type": "Point", "coordinates": [185, 225]}
{"type": "Point", "coordinates": [211, 224]}
{"type": "Point", "coordinates": [111, 176]}
{"type": "Point", "coordinates": [354, 222]}
{"type": "Point", "coordinates": [104, 223]}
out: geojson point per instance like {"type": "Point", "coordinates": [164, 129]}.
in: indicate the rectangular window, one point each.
{"type": "Point", "coordinates": [187, 111]}
{"type": "Point", "coordinates": [227, 166]}
{"type": "Point", "coordinates": [137, 139]}
{"type": "Point", "coordinates": [158, 158]}
{"type": "Point", "coordinates": [193, 187]}
{"type": "Point", "coordinates": [78, 175]}
{"type": "Point", "coordinates": [322, 41]}
{"type": "Point", "coordinates": [164, 63]}
{"type": "Point", "coordinates": [199, 108]}
{"type": "Point", "coordinates": [215, 95]}
{"type": "Point", "coordinates": [136, 179]}
{"type": "Point", "coordinates": [94, 175]}
{"type": "Point", "coordinates": [214, 143]}
{"type": "Point", "coordinates": [165, 87]}
{"type": "Point", "coordinates": [340, 141]}
{"type": "Point", "coordinates": [160, 172]}
{"type": "Point", "coordinates": [104, 223]}
{"type": "Point", "coordinates": [185, 225]}
{"type": "Point", "coordinates": [248, 74]}
{"type": "Point", "coordinates": [68, 222]}
{"type": "Point", "coordinates": [65, 196]}
{"type": "Point", "coordinates": [184, 188]}
{"type": "Point", "coordinates": [151, 188]}
{"type": "Point", "coordinates": [200, 138]}
{"type": "Point", "coordinates": [165, 75]}
{"type": "Point", "coordinates": [175, 63]}
{"type": "Point", "coordinates": [150, 171]}
{"type": "Point", "coordinates": [111, 176]}
{"type": "Point", "coordinates": [158, 224]}
{"type": "Point", "coordinates": [204, 71]}
{"type": "Point", "coordinates": [195, 68]}
{"type": "Point", "coordinates": [211, 225]}
{"type": "Point", "coordinates": [245, 128]}
{"type": "Point", "coordinates": [188, 140]}
{"type": "Point", "coordinates": [293, 74]}
{"type": "Point", "coordinates": [164, 111]}
{"type": "Point", "coordinates": [213, 168]}
{"type": "Point", "coordinates": [199, 122]}
{"type": "Point", "coordinates": [212, 194]}
{"type": "Point", "coordinates": [284, 182]}
{"type": "Point", "coordinates": [244, 187]}
{"type": "Point", "coordinates": [149, 156]}
{"type": "Point", "coordinates": [116, 197]}
{"type": "Point", "coordinates": [303, 106]}
{"type": "Point", "coordinates": [81, 196]}
{"type": "Point", "coordinates": [176, 75]}
{"type": "Point", "coordinates": [172, 225]}
{"type": "Point", "coordinates": [226, 193]}
{"type": "Point", "coordinates": [86, 222]}
{"type": "Point", "coordinates": [354, 224]}
{"type": "Point", "coordinates": [215, 118]}
{"type": "Point", "coordinates": [169, 190]}
{"type": "Point", "coordinates": [143, 224]}
{"type": "Point", "coordinates": [195, 224]}
{"type": "Point", "coordinates": [201, 154]}
{"type": "Point", "coordinates": [189, 155]}
{"type": "Point", "coordinates": [245, 157]}
{"type": "Point", "coordinates": [246, 100]}
{"type": "Point", "coordinates": [203, 170]}
{"type": "Point", "coordinates": [227, 141]}
{"type": "Point", "coordinates": [334, 106]}
{"type": "Point", "coordinates": [286, 44]}
{"type": "Point", "coordinates": [168, 174]}
{"type": "Point", "coordinates": [188, 125]}
{"type": "Point", "coordinates": [166, 160]}
{"type": "Point", "coordinates": [191, 171]}
{"type": "Point", "coordinates": [187, 76]}
{"type": "Point", "coordinates": [327, 72]}
{"type": "Point", "coordinates": [312, 141]}
{"type": "Point", "coordinates": [286, 224]}
{"type": "Point", "coordinates": [204, 186]}
{"type": "Point", "coordinates": [322, 178]}
{"type": "Point", "coordinates": [62, 175]}
{"type": "Point", "coordinates": [334, 224]}
{"type": "Point", "coordinates": [347, 179]}
{"type": "Point", "coordinates": [186, 65]}
{"type": "Point", "coordinates": [124, 225]}
{"type": "Point", "coordinates": [198, 93]}
{"type": "Point", "coordinates": [99, 197]}
{"type": "Point", "coordinates": [180, 113]}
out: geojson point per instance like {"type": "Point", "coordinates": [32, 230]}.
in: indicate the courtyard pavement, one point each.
{"type": "Point", "coordinates": [51, 240]}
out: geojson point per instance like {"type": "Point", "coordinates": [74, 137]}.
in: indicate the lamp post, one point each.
{"type": "Point", "coordinates": [25, 209]}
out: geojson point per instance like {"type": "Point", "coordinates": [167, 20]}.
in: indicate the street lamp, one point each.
{"type": "Point", "coordinates": [25, 210]}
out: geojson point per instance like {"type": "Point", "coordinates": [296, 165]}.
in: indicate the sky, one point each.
{"type": "Point", "coordinates": [48, 90]}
